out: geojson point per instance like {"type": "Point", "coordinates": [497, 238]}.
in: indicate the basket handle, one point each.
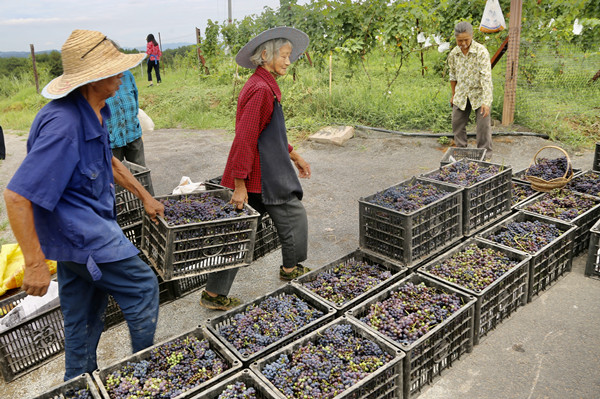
{"type": "Point", "coordinates": [569, 166]}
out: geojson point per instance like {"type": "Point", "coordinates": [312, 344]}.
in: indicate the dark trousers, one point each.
{"type": "Point", "coordinates": [156, 66]}
{"type": "Point", "coordinates": [132, 152]}
{"type": "Point", "coordinates": [2, 147]}
{"type": "Point", "coordinates": [291, 223]}
{"type": "Point", "coordinates": [134, 287]}
{"type": "Point", "coordinates": [460, 119]}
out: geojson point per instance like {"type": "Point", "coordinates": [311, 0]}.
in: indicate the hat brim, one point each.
{"type": "Point", "coordinates": [298, 39]}
{"type": "Point", "coordinates": [64, 84]}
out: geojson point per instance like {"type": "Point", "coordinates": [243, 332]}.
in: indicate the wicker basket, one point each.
{"type": "Point", "coordinates": [542, 185]}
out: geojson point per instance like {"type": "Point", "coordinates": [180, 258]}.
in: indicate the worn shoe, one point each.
{"type": "Point", "coordinates": [298, 271]}
{"type": "Point", "coordinates": [220, 302]}
{"type": "Point", "coordinates": [150, 85]}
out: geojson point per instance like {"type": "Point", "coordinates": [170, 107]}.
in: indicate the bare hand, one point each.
{"type": "Point", "coordinates": [153, 208]}
{"type": "Point", "coordinates": [36, 279]}
{"type": "Point", "coordinates": [485, 110]}
{"type": "Point", "coordinates": [303, 167]}
{"type": "Point", "coordinates": [239, 197]}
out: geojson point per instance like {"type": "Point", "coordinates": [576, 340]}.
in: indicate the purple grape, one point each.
{"type": "Point", "coordinates": [465, 173]}
{"type": "Point", "coordinates": [198, 208]}
{"type": "Point", "coordinates": [408, 197]}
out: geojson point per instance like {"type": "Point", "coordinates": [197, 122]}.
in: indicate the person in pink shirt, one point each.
{"type": "Point", "coordinates": [154, 54]}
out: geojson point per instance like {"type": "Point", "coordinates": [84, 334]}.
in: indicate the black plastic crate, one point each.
{"type": "Point", "coordinates": [397, 272]}
{"type": "Point", "coordinates": [575, 183]}
{"type": "Point", "coordinates": [187, 285]}
{"type": "Point", "coordinates": [267, 239]}
{"type": "Point", "coordinates": [521, 192]}
{"type": "Point", "coordinates": [248, 377]}
{"type": "Point", "coordinates": [596, 165]}
{"type": "Point", "coordinates": [385, 383]}
{"type": "Point", "coordinates": [31, 343]}
{"type": "Point", "coordinates": [198, 248]}
{"type": "Point", "coordinates": [213, 325]}
{"type": "Point", "coordinates": [454, 154]}
{"type": "Point", "coordinates": [551, 261]}
{"type": "Point", "coordinates": [411, 238]}
{"type": "Point", "coordinates": [130, 209]}
{"type": "Point", "coordinates": [437, 350]}
{"type": "Point", "coordinates": [484, 202]}
{"type": "Point", "coordinates": [68, 388]}
{"type": "Point", "coordinates": [592, 266]}
{"type": "Point", "coordinates": [134, 233]}
{"type": "Point", "coordinates": [500, 299]}
{"type": "Point", "coordinates": [200, 332]}
{"type": "Point", "coordinates": [584, 222]}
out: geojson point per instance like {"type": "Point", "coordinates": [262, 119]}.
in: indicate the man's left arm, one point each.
{"type": "Point", "coordinates": [485, 71]}
{"type": "Point", "coordinates": [125, 179]}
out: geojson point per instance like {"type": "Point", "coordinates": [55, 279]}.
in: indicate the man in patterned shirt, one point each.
{"type": "Point", "coordinates": [123, 125]}
{"type": "Point", "coordinates": [471, 83]}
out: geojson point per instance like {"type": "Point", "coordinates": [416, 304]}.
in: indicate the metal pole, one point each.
{"type": "Point", "coordinates": [35, 74]}
{"type": "Point", "coordinates": [160, 47]}
{"type": "Point", "coordinates": [229, 11]}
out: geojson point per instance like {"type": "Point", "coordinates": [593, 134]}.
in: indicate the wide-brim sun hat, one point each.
{"type": "Point", "coordinates": [298, 39]}
{"type": "Point", "coordinates": [88, 56]}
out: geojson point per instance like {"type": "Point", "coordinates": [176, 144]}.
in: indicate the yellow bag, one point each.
{"type": "Point", "coordinates": [12, 267]}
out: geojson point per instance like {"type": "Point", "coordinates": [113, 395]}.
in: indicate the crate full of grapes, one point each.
{"type": "Point", "coordinates": [592, 266]}
{"type": "Point", "coordinates": [587, 182]}
{"type": "Point", "coordinates": [568, 206]}
{"type": "Point", "coordinates": [177, 368]}
{"type": "Point", "coordinates": [431, 322]}
{"type": "Point", "coordinates": [521, 192]}
{"type": "Point", "coordinates": [269, 322]}
{"type": "Point", "coordinates": [596, 164]}
{"type": "Point", "coordinates": [81, 387]}
{"type": "Point", "coordinates": [200, 233]}
{"type": "Point", "coordinates": [244, 384]}
{"type": "Point", "coordinates": [130, 209]}
{"type": "Point", "coordinates": [341, 359]}
{"type": "Point", "coordinates": [549, 242]}
{"type": "Point", "coordinates": [454, 154]}
{"type": "Point", "coordinates": [487, 190]}
{"type": "Point", "coordinates": [496, 276]}
{"type": "Point", "coordinates": [28, 343]}
{"type": "Point", "coordinates": [411, 221]}
{"type": "Point", "coordinates": [345, 282]}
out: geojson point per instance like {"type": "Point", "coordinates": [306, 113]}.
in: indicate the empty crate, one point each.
{"type": "Point", "coordinates": [454, 154]}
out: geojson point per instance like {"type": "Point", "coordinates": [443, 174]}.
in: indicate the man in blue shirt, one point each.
{"type": "Point", "coordinates": [61, 205]}
{"type": "Point", "coordinates": [123, 125]}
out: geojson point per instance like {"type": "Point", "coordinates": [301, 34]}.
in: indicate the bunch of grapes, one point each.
{"type": "Point", "coordinates": [347, 280]}
{"type": "Point", "coordinates": [411, 311]}
{"type": "Point", "coordinates": [172, 368]}
{"type": "Point", "coordinates": [409, 197]}
{"type": "Point", "coordinates": [83, 393]}
{"type": "Point", "coordinates": [269, 321]}
{"type": "Point", "coordinates": [562, 204]}
{"type": "Point", "coordinates": [588, 183]}
{"type": "Point", "coordinates": [327, 366]}
{"type": "Point", "coordinates": [549, 169]}
{"type": "Point", "coordinates": [526, 236]}
{"type": "Point", "coordinates": [198, 208]}
{"type": "Point", "coordinates": [474, 268]}
{"type": "Point", "coordinates": [465, 173]}
{"type": "Point", "coordinates": [520, 192]}
{"type": "Point", "coordinates": [238, 390]}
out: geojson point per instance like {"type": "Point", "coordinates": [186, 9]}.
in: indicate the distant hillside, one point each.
{"type": "Point", "coordinates": [25, 54]}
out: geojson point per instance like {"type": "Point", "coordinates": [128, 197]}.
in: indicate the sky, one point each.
{"type": "Point", "coordinates": [48, 23]}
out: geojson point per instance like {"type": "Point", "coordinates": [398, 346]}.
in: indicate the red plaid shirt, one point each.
{"type": "Point", "coordinates": [254, 110]}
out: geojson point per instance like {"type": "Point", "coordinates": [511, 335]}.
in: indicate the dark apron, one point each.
{"type": "Point", "coordinates": [279, 181]}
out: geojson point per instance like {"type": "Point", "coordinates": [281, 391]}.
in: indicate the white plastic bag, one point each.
{"type": "Point", "coordinates": [145, 121]}
{"type": "Point", "coordinates": [186, 186]}
{"type": "Point", "coordinates": [492, 19]}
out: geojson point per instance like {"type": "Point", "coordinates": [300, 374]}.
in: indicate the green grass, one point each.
{"type": "Point", "coordinates": [189, 99]}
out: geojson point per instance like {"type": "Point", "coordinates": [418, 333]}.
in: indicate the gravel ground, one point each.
{"type": "Point", "coordinates": [547, 349]}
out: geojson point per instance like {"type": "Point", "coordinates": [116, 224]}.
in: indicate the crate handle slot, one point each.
{"type": "Point", "coordinates": [441, 350]}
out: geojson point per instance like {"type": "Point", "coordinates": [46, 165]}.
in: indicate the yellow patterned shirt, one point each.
{"type": "Point", "coordinates": [473, 76]}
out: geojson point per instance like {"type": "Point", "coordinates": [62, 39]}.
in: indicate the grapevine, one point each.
{"type": "Point", "coordinates": [347, 281]}
{"type": "Point", "coordinates": [408, 198]}
{"type": "Point", "coordinates": [198, 208]}
{"type": "Point", "coordinates": [171, 369]}
{"type": "Point", "coordinates": [562, 204]}
{"type": "Point", "coordinates": [268, 322]}
{"type": "Point", "coordinates": [411, 311]}
{"type": "Point", "coordinates": [465, 173]}
{"type": "Point", "coordinates": [474, 268]}
{"type": "Point", "coordinates": [529, 237]}
{"type": "Point", "coordinates": [335, 361]}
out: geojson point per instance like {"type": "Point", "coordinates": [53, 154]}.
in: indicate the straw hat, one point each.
{"type": "Point", "coordinates": [88, 56]}
{"type": "Point", "coordinates": [298, 39]}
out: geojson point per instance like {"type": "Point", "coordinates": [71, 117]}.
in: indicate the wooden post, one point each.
{"type": "Point", "coordinates": [201, 59]}
{"type": "Point", "coordinates": [160, 47]}
{"type": "Point", "coordinates": [35, 74]}
{"type": "Point", "coordinates": [512, 62]}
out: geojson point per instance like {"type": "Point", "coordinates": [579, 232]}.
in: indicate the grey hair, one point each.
{"type": "Point", "coordinates": [463, 27]}
{"type": "Point", "coordinates": [272, 46]}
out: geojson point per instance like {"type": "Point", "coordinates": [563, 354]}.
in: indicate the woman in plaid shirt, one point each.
{"type": "Point", "coordinates": [259, 167]}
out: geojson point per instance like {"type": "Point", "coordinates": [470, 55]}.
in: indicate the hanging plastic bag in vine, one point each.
{"type": "Point", "coordinates": [492, 19]}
